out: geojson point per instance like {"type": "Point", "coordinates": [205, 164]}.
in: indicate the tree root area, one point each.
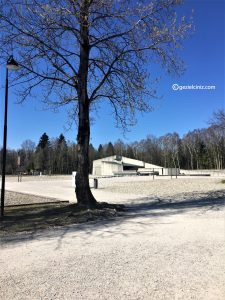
{"type": "Point", "coordinates": [30, 218]}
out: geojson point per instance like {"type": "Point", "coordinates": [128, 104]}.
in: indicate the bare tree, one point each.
{"type": "Point", "coordinates": [188, 143]}
{"type": "Point", "coordinates": [28, 148]}
{"type": "Point", "coordinates": [215, 143]}
{"type": "Point", "coordinates": [120, 147]}
{"type": "Point", "coordinates": [218, 119]}
{"type": "Point", "coordinates": [82, 51]}
{"type": "Point", "coordinates": [170, 146]}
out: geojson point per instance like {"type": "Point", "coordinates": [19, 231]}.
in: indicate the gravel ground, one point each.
{"type": "Point", "coordinates": [161, 186]}
{"type": "Point", "coordinates": [15, 198]}
{"type": "Point", "coordinates": [27, 178]}
{"type": "Point", "coordinates": [171, 248]}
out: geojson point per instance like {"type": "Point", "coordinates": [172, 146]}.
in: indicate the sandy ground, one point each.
{"type": "Point", "coordinates": [169, 245]}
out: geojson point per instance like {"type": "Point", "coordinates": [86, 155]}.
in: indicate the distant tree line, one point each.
{"type": "Point", "coordinates": [198, 149]}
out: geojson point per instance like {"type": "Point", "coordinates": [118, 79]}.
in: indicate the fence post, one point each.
{"type": "Point", "coordinates": [19, 177]}
{"type": "Point", "coordinates": [95, 183]}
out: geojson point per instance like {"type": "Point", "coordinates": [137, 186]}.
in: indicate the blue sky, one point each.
{"type": "Point", "coordinates": [180, 111]}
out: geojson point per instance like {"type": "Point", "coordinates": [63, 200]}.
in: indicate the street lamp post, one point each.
{"type": "Point", "coordinates": [11, 65]}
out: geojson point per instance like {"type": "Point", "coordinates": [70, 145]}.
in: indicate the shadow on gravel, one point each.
{"type": "Point", "coordinates": [183, 202]}
{"type": "Point", "coordinates": [142, 212]}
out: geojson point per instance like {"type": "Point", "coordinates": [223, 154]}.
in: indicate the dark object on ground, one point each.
{"type": "Point", "coordinates": [145, 173]}
{"type": "Point", "coordinates": [198, 174]}
{"type": "Point", "coordinates": [95, 183]}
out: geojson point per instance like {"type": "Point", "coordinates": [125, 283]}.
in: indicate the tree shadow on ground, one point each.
{"type": "Point", "coordinates": [142, 212]}
{"type": "Point", "coordinates": [179, 203]}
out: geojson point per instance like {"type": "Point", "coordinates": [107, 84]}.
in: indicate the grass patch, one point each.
{"type": "Point", "coordinates": [30, 218]}
{"type": "Point", "coordinates": [223, 181]}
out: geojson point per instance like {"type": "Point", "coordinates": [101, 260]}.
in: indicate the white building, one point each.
{"type": "Point", "coordinates": [120, 165]}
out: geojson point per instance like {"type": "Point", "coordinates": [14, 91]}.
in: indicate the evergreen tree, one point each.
{"type": "Point", "coordinates": [101, 152]}
{"type": "Point", "coordinates": [62, 155]}
{"type": "Point", "coordinates": [130, 152]}
{"type": "Point", "coordinates": [44, 141]}
{"type": "Point", "coordinates": [42, 157]}
{"type": "Point", "coordinates": [110, 150]}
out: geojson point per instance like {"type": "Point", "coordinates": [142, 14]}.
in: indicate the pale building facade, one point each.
{"type": "Point", "coordinates": [119, 165]}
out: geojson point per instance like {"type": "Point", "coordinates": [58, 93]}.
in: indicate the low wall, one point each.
{"type": "Point", "coordinates": [212, 172]}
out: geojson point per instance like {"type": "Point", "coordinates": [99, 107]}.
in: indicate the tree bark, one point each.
{"type": "Point", "coordinates": [83, 191]}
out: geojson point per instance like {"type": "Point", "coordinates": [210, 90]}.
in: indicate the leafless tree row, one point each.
{"type": "Point", "coordinates": [198, 149]}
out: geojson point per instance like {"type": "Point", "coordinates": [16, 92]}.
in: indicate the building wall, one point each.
{"type": "Point", "coordinates": [106, 166]}
{"type": "Point", "coordinates": [113, 164]}
{"type": "Point", "coordinates": [97, 167]}
{"type": "Point", "coordinates": [109, 168]}
{"type": "Point", "coordinates": [171, 171]}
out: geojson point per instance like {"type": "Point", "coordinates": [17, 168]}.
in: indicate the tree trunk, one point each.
{"type": "Point", "coordinates": [178, 161]}
{"type": "Point", "coordinates": [83, 191]}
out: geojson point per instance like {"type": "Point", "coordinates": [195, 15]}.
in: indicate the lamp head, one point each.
{"type": "Point", "coordinates": [12, 64]}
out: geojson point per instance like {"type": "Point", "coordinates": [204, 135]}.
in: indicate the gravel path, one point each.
{"type": "Point", "coordinates": [15, 198]}
{"type": "Point", "coordinates": [161, 186]}
{"type": "Point", "coordinates": [173, 249]}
